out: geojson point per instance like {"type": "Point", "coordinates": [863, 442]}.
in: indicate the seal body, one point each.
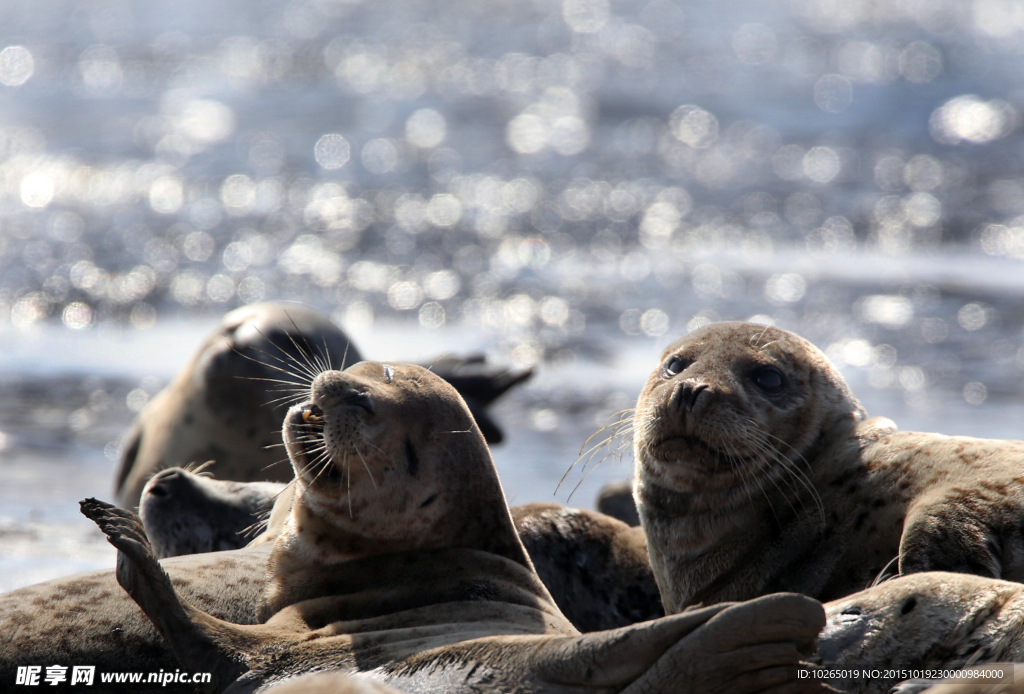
{"type": "Point", "coordinates": [930, 621]}
{"type": "Point", "coordinates": [759, 471]}
{"type": "Point", "coordinates": [595, 567]}
{"type": "Point", "coordinates": [399, 561]}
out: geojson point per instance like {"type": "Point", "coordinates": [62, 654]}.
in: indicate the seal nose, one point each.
{"type": "Point", "coordinates": [335, 388]}
{"type": "Point", "coordinates": [687, 394]}
{"type": "Point", "coordinates": [164, 482]}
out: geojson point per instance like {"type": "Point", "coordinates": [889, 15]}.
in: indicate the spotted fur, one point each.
{"type": "Point", "coordinates": [759, 471]}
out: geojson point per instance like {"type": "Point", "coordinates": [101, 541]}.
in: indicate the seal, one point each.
{"type": "Point", "coordinates": [186, 512]}
{"type": "Point", "coordinates": [926, 622]}
{"type": "Point", "coordinates": [226, 405]}
{"type": "Point", "coordinates": [616, 500]}
{"type": "Point", "coordinates": [757, 471]}
{"type": "Point", "coordinates": [595, 567]}
{"type": "Point", "coordinates": [399, 561]}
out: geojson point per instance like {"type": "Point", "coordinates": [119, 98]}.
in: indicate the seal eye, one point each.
{"type": "Point", "coordinates": [770, 380]}
{"type": "Point", "coordinates": [675, 365]}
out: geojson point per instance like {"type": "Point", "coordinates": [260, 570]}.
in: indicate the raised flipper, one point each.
{"type": "Point", "coordinates": [198, 640]}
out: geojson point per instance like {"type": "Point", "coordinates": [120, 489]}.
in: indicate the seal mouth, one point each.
{"type": "Point", "coordinates": [305, 426]}
{"type": "Point", "coordinates": [693, 452]}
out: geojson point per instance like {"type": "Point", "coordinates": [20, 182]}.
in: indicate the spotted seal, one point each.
{"type": "Point", "coordinates": [595, 566]}
{"type": "Point", "coordinates": [187, 512]}
{"type": "Point", "coordinates": [931, 621]}
{"type": "Point", "coordinates": [399, 560]}
{"type": "Point", "coordinates": [757, 470]}
{"type": "Point", "coordinates": [227, 403]}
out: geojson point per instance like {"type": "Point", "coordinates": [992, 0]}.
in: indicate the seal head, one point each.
{"type": "Point", "coordinates": [725, 434]}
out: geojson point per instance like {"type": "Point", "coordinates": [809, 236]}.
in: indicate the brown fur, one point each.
{"type": "Point", "coordinates": [924, 621]}
{"type": "Point", "coordinates": [88, 619]}
{"type": "Point", "coordinates": [744, 492]}
{"type": "Point", "coordinates": [595, 567]}
{"type": "Point", "coordinates": [225, 405]}
{"type": "Point", "coordinates": [436, 595]}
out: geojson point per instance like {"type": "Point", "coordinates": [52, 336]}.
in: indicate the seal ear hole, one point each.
{"type": "Point", "coordinates": [675, 365]}
{"type": "Point", "coordinates": [769, 379]}
{"type": "Point", "coordinates": [908, 604]}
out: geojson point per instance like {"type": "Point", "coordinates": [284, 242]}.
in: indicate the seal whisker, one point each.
{"type": "Point", "coordinates": [882, 576]}
{"type": "Point", "coordinates": [623, 424]}
{"type": "Point", "coordinates": [308, 354]}
{"type": "Point", "coordinates": [367, 467]}
{"type": "Point", "coordinates": [789, 464]}
{"type": "Point", "coordinates": [303, 376]}
{"type": "Point", "coordinates": [433, 364]}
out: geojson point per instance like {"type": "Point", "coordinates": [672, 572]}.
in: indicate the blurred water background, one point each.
{"type": "Point", "coordinates": [562, 184]}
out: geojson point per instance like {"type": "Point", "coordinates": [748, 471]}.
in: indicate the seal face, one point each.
{"type": "Point", "coordinates": [758, 471]}
{"type": "Point", "coordinates": [189, 513]}
{"type": "Point", "coordinates": [227, 404]}
{"type": "Point", "coordinates": [380, 466]}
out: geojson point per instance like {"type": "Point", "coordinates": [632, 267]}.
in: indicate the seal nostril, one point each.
{"type": "Point", "coordinates": [157, 490]}
{"type": "Point", "coordinates": [696, 394]}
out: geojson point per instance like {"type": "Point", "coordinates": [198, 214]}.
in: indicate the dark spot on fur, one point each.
{"type": "Point", "coordinates": [189, 419]}
{"type": "Point", "coordinates": [411, 458]}
{"type": "Point", "coordinates": [430, 499]}
{"type": "Point", "coordinates": [857, 524]}
{"type": "Point", "coordinates": [908, 605]}
{"type": "Point", "coordinates": [878, 503]}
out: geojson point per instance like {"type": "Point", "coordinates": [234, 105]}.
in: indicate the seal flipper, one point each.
{"type": "Point", "coordinates": [199, 641]}
{"type": "Point", "coordinates": [965, 530]}
{"type": "Point", "coordinates": [479, 385]}
{"type": "Point", "coordinates": [739, 648]}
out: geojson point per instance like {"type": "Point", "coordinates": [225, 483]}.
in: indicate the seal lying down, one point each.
{"type": "Point", "coordinates": [923, 623]}
{"type": "Point", "coordinates": [399, 560]}
{"type": "Point", "coordinates": [595, 566]}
